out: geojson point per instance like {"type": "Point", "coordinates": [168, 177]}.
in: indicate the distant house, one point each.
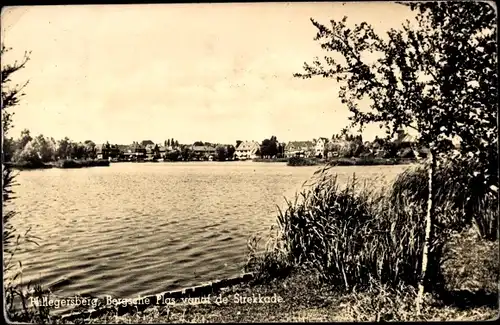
{"type": "Point", "coordinates": [144, 143]}
{"type": "Point", "coordinates": [101, 151]}
{"type": "Point", "coordinates": [247, 150]}
{"type": "Point", "coordinates": [203, 152]}
{"type": "Point", "coordinates": [135, 151]}
{"type": "Point", "coordinates": [404, 140]}
{"type": "Point", "coordinates": [152, 151]}
{"type": "Point", "coordinates": [107, 151]}
{"type": "Point", "coordinates": [338, 147]}
{"type": "Point", "coordinates": [299, 148]}
{"type": "Point", "coordinates": [320, 146]}
{"type": "Point", "coordinates": [376, 149]}
{"type": "Point", "coordinates": [123, 149]}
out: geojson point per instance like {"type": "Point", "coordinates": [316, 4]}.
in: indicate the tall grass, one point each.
{"type": "Point", "coordinates": [463, 194]}
{"type": "Point", "coordinates": [350, 236]}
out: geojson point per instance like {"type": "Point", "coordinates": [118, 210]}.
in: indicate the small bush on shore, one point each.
{"type": "Point", "coordinates": [34, 164]}
{"type": "Point", "coordinates": [366, 161]}
{"type": "Point", "coordinates": [70, 163]}
{"type": "Point", "coordinates": [270, 160]}
{"type": "Point", "coordinates": [301, 161]}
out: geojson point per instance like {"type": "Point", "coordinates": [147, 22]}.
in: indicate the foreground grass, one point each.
{"type": "Point", "coordinates": [471, 273]}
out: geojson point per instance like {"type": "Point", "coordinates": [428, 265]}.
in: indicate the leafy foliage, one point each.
{"type": "Point", "coordinates": [221, 153]}
{"type": "Point", "coordinates": [438, 76]}
{"type": "Point", "coordinates": [15, 291]}
{"type": "Point", "coordinates": [10, 95]}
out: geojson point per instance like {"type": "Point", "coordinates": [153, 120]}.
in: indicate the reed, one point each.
{"type": "Point", "coordinates": [349, 237]}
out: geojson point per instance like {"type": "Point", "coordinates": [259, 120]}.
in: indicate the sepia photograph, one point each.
{"type": "Point", "coordinates": [250, 162]}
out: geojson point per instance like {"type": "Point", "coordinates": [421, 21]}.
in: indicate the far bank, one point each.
{"type": "Point", "coordinates": [67, 163]}
{"type": "Point", "coordinates": [293, 161]}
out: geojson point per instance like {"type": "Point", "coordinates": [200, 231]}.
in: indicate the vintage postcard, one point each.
{"type": "Point", "coordinates": [250, 162]}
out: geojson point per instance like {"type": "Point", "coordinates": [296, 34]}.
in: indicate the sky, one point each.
{"type": "Point", "coordinates": [209, 72]}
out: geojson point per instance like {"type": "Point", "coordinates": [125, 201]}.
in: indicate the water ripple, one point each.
{"type": "Point", "coordinates": [133, 229]}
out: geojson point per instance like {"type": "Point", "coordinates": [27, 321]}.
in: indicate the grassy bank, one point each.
{"type": "Point", "coordinates": [471, 271]}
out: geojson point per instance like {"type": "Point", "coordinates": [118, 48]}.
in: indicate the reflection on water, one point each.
{"type": "Point", "coordinates": [132, 229]}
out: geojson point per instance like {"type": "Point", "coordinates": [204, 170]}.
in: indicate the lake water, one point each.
{"type": "Point", "coordinates": [135, 229]}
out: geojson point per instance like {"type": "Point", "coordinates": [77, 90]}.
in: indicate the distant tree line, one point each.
{"type": "Point", "coordinates": [28, 148]}
{"type": "Point", "coordinates": [39, 148]}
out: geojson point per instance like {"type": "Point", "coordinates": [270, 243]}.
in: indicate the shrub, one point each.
{"type": "Point", "coordinates": [364, 161]}
{"type": "Point", "coordinates": [301, 161]}
{"type": "Point", "coordinates": [70, 163]}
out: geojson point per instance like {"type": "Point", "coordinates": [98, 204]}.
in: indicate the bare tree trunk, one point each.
{"type": "Point", "coordinates": [429, 230]}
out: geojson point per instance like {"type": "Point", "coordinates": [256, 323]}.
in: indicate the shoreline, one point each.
{"type": "Point", "coordinates": [168, 298]}
{"type": "Point", "coordinates": [336, 162]}
{"type": "Point", "coordinates": [354, 161]}
{"type": "Point", "coordinates": [62, 164]}
{"type": "Point", "coordinates": [299, 297]}
{"type": "Point", "coordinates": [467, 270]}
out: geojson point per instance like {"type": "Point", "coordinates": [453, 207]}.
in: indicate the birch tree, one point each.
{"type": "Point", "coordinates": [437, 76]}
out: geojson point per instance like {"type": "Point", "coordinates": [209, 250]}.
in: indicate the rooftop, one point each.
{"type": "Point", "coordinates": [248, 145]}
